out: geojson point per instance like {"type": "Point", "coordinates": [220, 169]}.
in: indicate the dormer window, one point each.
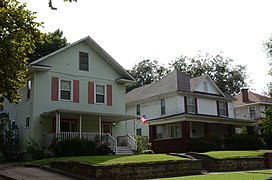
{"type": "Point", "coordinates": [83, 61]}
{"type": "Point", "coordinates": [205, 84]}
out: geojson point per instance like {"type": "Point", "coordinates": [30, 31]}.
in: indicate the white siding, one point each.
{"type": "Point", "coordinates": [206, 106]}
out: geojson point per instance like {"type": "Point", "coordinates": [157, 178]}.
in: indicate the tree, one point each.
{"type": "Point", "coordinates": [18, 34]}
{"type": "Point", "coordinates": [146, 72]}
{"type": "Point", "coordinates": [50, 43]}
{"type": "Point", "coordinates": [53, 8]}
{"type": "Point", "coordinates": [266, 127]}
{"type": "Point", "coordinates": [9, 144]}
{"type": "Point", "coordinates": [227, 77]}
{"type": "Point", "coordinates": [268, 49]}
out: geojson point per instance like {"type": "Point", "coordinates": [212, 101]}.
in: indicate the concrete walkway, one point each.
{"type": "Point", "coordinates": [29, 173]}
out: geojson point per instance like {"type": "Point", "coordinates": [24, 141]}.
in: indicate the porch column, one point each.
{"type": "Point", "coordinates": [80, 126]}
{"type": "Point", "coordinates": [99, 123]}
{"type": "Point", "coordinates": [57, 121]}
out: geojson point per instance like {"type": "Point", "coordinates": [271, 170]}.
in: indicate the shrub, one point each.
{"type": "Point", "coordinates": [33, 148]}
{"type": "Point", "coordinates": [245, 142]}
{"type": "Point", "coordinates": [73, 147]}
{"type": "Point", "coordinates": [206, 143]}
{"type": "Point", "coordinates": [142, 144]}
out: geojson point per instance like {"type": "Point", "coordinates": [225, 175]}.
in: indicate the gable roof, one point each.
{"type": "Point", "coordinates": [176, 81]}
{"type": "Point", "coordinates": [99, 50]}
{"type": "Point", "coordinates": [253, 98]}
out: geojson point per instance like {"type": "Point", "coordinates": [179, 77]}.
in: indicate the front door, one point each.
{"type": "Point", "coordinates": [67, 125]}
{"type": "Point", "coordinates": [106, 127]}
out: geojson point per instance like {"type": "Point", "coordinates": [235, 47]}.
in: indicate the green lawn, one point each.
{"type": "Point", "coordinates": [233, 154]}
{"type": "Point", "coordinates": [114, 159]}
{"type": "Point", "coordinates": [249, 175]}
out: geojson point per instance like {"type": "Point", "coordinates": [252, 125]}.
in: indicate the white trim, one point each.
{"type": "Point", "coordinates": [105, 95]}
{"type": "Point", "coordinates": [71, 94]}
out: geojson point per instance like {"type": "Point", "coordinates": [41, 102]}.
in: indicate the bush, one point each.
{"type": "Point", "coordinates": [78, 147]}
{"type": "Point", "coordinates": [73, 147]}
{"type": "Point", "coordinates": [206, 143]}
{"type": "Point", "coordinates": [245, 142]}
{"type": "Point", "coordinates": [33, 148]}
{"type": "Point", "coordinates": [142, 144]}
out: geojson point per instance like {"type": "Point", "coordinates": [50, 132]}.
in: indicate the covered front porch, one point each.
{"type": "Point", "coordinates": [175, 133]}
{"type": "Point", "coordinates": [66, 124]}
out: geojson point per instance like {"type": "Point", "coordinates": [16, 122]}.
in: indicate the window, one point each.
{"type": "Point", "coordinates": [162, 106]}
{"type": "Point", "coordinates": [175, 130]}
{"type": "Point", "coordinates": [252, 112]}
{"type": "Point", "coordinates": [139, 132]}
{"type": "Point", "coordinates": [83, 61]}
{"type": "Point", "coordinates": [172, 130]}
{"type": "Point", "coordinates": [100, 93]}
{"type": "Point", "coordinates": [138, 110]}
{"type": "Point", "coordinates": [27, 122]}
{"type": "Point", "coordinates": [191, 105]}
{"type": "Point", "coordinates": [159, 131]}
{"type": "Point", "coordinates": [65, 89]}
{"type": "Point", "coordinates": [223, 109]}
{"type": "Point", "coordinates": [205, 84]}
{"type": "Point", "coordinates": [28, 89]}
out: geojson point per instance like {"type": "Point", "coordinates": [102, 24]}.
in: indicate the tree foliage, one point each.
{"type": "Point", "coordinates": [18, 34]}
{"type": "Point", "coordinates": [146, 72]}
{"type": "Point", "coordinates": [227, 77]}
{"type": "Point", "coordinates": [9, 146]}
{"type": "Point", "coordinates": [266, 127]}
{"type": "Point", "coordinates": [268, 49]}
{"type": "Point", "coordinates": [50, 43]}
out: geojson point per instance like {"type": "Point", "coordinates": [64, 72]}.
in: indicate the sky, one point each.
{"type": "Point", "coordinates": [163, 30]}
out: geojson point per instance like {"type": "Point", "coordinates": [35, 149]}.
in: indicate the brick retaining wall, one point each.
{"type": "Point", "coordinates": [198, 163]}
{"type": "Point", "coordinates": [131, 171]}
{"type": "Point", "coordinates": [229, 164]}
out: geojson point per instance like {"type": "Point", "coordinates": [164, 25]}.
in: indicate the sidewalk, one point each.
{"type": "Point", "coordinates": [29, 173]}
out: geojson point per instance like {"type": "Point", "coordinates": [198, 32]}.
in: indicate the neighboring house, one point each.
{"type": "Point", "coordinates": [250, 105]}
{"type": "Point", "coordinates": [77, 91]}
{"type": "Point", "coordinates": [178, 108]}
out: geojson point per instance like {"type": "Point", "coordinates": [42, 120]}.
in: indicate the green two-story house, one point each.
{"type": "Point", "coordinates": [76, 91]}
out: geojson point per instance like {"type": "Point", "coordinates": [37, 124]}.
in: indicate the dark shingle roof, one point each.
{"type": "Point", "coordinates": [173, 82]}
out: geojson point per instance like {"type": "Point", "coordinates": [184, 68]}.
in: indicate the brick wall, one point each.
{"type": "Point", "coordinates": [132, 171]}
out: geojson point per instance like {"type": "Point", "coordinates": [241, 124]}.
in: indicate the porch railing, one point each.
{"type": "Point", "coordinates": [127, 140]}
{"type": "Point", "coordinates": [103, 138]}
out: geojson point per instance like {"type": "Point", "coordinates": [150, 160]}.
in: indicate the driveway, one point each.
{"type": "Point", "coordinates": [29, 173]}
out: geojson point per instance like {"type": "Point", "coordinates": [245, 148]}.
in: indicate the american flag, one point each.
{"type": "Point", "coordinates": [144, 120]}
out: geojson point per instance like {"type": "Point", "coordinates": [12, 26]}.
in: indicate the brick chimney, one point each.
{"type": "Point", "coordinates": [245, 94]}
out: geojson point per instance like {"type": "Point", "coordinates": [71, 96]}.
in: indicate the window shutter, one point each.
{"type": "Point", "coordinates": [218, 109]}
{"type": "Point", "coordinates": [196, 108]}
{"type": "Point", "coordinates": [91, 92]}
{"type": "Point", "coordinates": [55, 89]}
{"type": "Point", "coordinates": [185, 104]}
{"type": "Point", "coordinates": [76, 91]}
{"type": "Point", "coordinates": [109, 95]}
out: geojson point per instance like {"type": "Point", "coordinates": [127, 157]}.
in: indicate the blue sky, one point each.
{"type": "Point", "coordinates": [131, 31]}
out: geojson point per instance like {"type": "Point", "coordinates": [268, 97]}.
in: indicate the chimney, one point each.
{"type": "Point", "coordinates": [245, 94]}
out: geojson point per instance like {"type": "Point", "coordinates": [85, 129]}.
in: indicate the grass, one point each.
{"type": "Point", "coordinates": [234, 154]}
{"type": "Point", "coordinates": [115, 159]}
{"type": "Point", "coordinates": [249, 175]}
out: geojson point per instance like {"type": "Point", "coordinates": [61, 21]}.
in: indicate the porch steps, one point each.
{"type": "Point", "coordinates": [124, 150]}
